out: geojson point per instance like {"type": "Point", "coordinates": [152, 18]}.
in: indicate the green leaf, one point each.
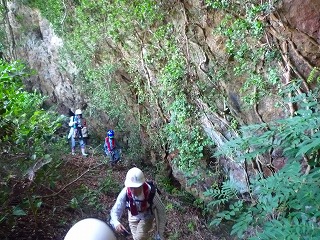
{"type": "Point", "coordinates": [38, 204]}
{"type": "Point", "coordinates": [3, 217]}
{"type": "Point", "coordinates": [17, 211]}
{"type": "Point", "coordinates": [232, 213]}
{"type": "Point", "coordinates": [314, 145]}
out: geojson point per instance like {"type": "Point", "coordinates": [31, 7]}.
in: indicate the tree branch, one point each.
{"type": "Point", "coordinates": [70, 183]}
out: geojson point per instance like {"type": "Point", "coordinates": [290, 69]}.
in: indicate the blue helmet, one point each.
{"type": "Point", "coordinates": [110, 133]}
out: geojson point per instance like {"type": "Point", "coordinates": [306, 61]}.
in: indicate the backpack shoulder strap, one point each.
{"type": "Point", "coordinates": [128, 194]}
{"type": "Point", "coordinates": [107, 143]}
{"type": "Point", "coordinates": [153, 192]}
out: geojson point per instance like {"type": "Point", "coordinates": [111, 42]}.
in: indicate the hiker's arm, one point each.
{"type": "Point", "coordinates": [161, 215]}
{"type": "Point", "coordinates": [118, 208]}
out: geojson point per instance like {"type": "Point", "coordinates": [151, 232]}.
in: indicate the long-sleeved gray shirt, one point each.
{"type": "Point", "coordinates": [158, 210]}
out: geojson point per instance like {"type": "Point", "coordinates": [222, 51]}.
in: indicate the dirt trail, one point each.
{"type": "Point", "coordinates": [87, 187]}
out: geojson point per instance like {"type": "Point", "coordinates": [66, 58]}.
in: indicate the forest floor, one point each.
{"type": "Point", "coordinates": [88, 187]}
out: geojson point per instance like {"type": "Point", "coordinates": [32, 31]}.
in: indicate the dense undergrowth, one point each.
{"type": "Point", "coordinates": [28, 140]}
{"type": "Point", "coordinates": [284, 205]}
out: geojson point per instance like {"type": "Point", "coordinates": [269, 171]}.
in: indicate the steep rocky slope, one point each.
{"type": "Point", "coordinates": [292, 27]}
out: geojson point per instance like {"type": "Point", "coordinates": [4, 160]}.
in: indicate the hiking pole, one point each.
{"type": "Point", "coordinates": [157, 237]}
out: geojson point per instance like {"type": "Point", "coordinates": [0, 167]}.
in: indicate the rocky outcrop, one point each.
{"type": "Point", "coordinates": [296, 26]}
{"type": "Point", "coordinates": [33, 40]}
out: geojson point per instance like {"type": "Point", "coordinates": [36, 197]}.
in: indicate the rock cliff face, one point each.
{"type": "Point", "coordinates": [297, 26]}
{"type": "Point", "coordinates": [293, 27]}
{"type": "Point", "coordinates": [32, 40]}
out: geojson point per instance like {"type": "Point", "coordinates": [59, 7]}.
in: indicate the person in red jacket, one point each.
{"type": "Point", "coordinates": [111, 148]}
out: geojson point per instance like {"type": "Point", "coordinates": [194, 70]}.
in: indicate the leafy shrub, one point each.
{"type": "Point", "coordinates": [29, 128]}
{"type": "Point", "coordinates": [26, 139]}
{"type": "Point", "coordinates": [286, 204]}
{"type": "Point", "coordinates": [109, 186]}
